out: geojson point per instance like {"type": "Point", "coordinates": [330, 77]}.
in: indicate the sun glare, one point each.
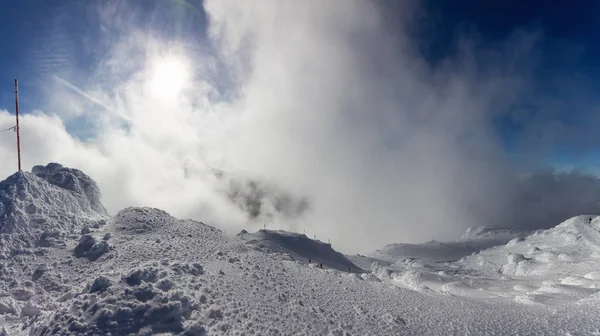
{"type": "Point", "coordinates": [168, 77]}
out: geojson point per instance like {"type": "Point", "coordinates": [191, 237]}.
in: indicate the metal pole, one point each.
{"type": "Point", "coordinates": [17, 127]}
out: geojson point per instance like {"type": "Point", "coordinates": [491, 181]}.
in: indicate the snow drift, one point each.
{"type": "Point", "coordinates": [40, 207]}
{"type": "Point", "coordinates": [551, 267]}
{"type": "Point", "coordinates": [473, 240]}
{"type": "Point", "coordinates": [70, 269]}
{"type": "Point", "coordinates": [299, 247]}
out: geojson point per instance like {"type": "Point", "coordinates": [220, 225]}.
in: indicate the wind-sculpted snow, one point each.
{"type": "Point", "coordinates": [299, 247]}
{"type": "Point", "coordinates": [474, 240]}
{"type": "Point", "coordinates": [73, 180]}
{"type": "Point", "coordinates": [142, 220]}
{"type": "Point", "coordinates": [557, 266]}
{"type": "Point", "coordinates": [498, 234]}
{"type": "Point", "coordinates": [556, 263]}
{"type": "Point", "coordinates": [42, 208]}
{"type": "Point", "coordinates": [160, 275]}
{"type": "Point", "coordinates": [185, 278]}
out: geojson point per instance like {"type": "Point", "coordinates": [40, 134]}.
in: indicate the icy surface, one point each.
{"type": "Point", "coordinates": [160, 275]}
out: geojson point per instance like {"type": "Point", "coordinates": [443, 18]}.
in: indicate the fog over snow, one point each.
{"type": "Point", "coordinates": [69, 268]}
{"type": "Point", "coordinates": [306, 116]}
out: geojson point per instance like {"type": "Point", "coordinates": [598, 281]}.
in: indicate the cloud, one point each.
{"type": "Point", "coordinates": [330, 122]}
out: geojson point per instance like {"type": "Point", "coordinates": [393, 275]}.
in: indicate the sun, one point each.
{"type": "Point", "coordinates": [168, 77]}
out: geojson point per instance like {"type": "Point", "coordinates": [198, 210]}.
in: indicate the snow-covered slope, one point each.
{"type": "Point", "coordinates": [474, 240]}
{"type": "Point", "coordinates": [146, 272]}
{"type": "Point", "coordinates": [299, 247]}
{"type": "Point", "coordinates": [553, 267]}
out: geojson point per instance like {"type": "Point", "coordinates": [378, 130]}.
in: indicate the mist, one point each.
{"type": "Point", "coordinates": [312, 116]}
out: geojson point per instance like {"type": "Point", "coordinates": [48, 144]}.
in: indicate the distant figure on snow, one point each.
{"type": "Point", "coordinates": [309, 261]}
{"type": "Point", "coordinates": [590, 220]}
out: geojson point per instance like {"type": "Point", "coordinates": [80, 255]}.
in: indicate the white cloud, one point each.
{"type": "Point", "coordinates": [325, 101]}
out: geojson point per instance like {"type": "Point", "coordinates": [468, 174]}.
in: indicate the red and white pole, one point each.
{"type": "Point", "coordinates": [17, 127]}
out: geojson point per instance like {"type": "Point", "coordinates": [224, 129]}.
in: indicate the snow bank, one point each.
{"type": "Point", "coordinates": [501, 235]}
{"type": "Point", "coordinates": [142, 220]}
{"type": "Point", "coordinates": [473, 240]}
{"type": "Point", "coordinates": [550, 267]}
{"type": "Point", "coordinates": [75, 181]}
{"type": "Point", "coordinates": [299, 247]}
{"type": "Point", "coordinates": [40, 208]}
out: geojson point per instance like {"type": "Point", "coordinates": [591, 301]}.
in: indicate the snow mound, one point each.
{"type": "Point", "coordinates": [141, 220]}
{"type": "Point", "coordinates": [39, 208]}
{"type": "Point", "coordinates": [75, 181]}
{"type": "Point", "coordinates": [430, 251]}
{"type": "Point", "coordinates": [299, 247]}
{"type": "Point", "coordinates": [366, 263]}
{"type": "Point", "coordinates": [473, 240]}
{"type": "Point", "coordinates": [488, 231]}
{"type": "Point", "coordinates": [550, 267]}
{"type": "Point", "coordinates": [570, 245]}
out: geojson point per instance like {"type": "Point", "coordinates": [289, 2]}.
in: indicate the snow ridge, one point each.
{"type": "Point", "coordinates": [48, 203]}
{"type": "Point", "coordinates": [74, 180]}
{"type": "Point", "coordinates": [473, 240]}
{"type": "Point", "coordinates": [299, 247]}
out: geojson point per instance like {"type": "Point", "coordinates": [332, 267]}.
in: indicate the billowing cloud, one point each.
{"type": "Point", "coordinates": [309, 115]}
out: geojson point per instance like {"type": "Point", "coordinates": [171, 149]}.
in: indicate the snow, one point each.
{"type": "Point", "coordinates": [42, 207]}
{"type": "Point", "coordinates": [550, 267]}
{"type": "Point", "coordinates": [295, 246]}
{"type": "Point", "coordinates": [474, 239]}
{"type": "Point", "coordinates": [145, 272]}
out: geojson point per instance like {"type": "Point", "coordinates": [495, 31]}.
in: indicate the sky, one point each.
{"type": "Point", "coordinates": [364, 122]}
{"type": "Point", "coordinates": [564, 65]}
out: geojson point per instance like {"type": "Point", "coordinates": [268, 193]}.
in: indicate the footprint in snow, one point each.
{"type": "Point", "coordinates": [394, 320]}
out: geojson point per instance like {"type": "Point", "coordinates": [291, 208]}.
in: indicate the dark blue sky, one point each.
{"type": "Point", "coordinates": [39, 38]}
{"type": "Point", "coordinates": [573, 23]}
{"type": "Point", "coordinates": [564, 66]}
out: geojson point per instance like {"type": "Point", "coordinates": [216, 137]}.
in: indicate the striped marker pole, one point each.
{"type": "Point", "coordinates": [17, 127]}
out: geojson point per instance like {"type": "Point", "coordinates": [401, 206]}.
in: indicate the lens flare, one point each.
{"type": "Point", "coordinates": [168, 77]}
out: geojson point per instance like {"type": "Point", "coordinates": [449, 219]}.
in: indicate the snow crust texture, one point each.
{"type": "Point", "coordinates": [473, 240]}
{"type": "Point", "coordinates": [295, 246]}
{"type": "Point", "coordinates": [553, 267]}
{"type": "Point", "coordinates": [43, 207]}
{"type": "Point", "coordinates": [82, 186]}
{"type": "Point", "coordinates": [148, 273]}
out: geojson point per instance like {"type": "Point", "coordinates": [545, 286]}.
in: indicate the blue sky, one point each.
{"type": "Point", "coordinates": [68, 38]}
{"type": "Point", "coordinates": [566, 65]}
{"type": "Point", "coordinates": [42, 38]}
{"type": "Point", "coordinates": [405, 112]}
